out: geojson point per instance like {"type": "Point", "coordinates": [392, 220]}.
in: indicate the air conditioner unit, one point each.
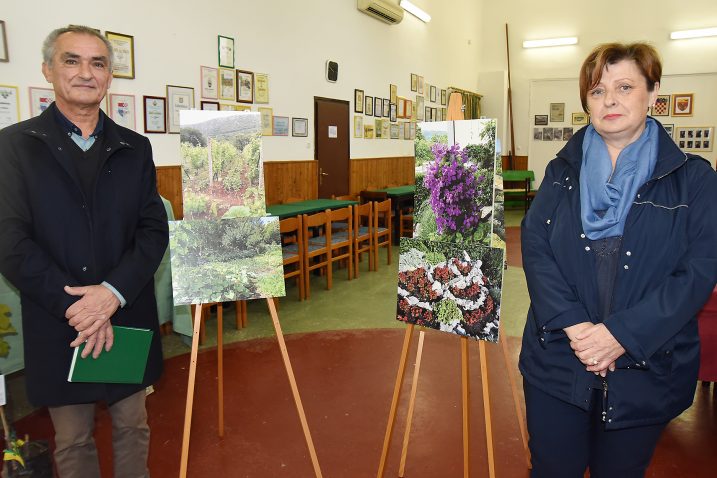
{"type": "Point", "coordinates": [384, 10]}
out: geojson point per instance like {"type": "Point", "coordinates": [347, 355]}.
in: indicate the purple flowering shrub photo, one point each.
{"type": "Point", "coordinates": [457, 191]}
{"type": "Point", "coordinates": [450, 287]}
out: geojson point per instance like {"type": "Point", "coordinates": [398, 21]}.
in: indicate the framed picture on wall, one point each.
{"type": "Point", "coordinates": [682, 104]}
{"type": "Point", "coordinates": [420, 85]}
{"type": "Point", "coordinates": [392, 112]}
{"type": "Point", "coordinates": [122, 110]}
{"type": "Point", "coordinates": [245, 86]}
{"type": "Point", "coordinates": [155, 117]}
{"type": "Point", "coordinates": [579, 118]}
{"type": "Point", "coordinates": [9, 105]}
{"type": "Point", "coordinates": [386, 108]}
{"type": "Point", "coordinates": [368, 131]}
{"type": "Point", "coordinates": [537, 134]}
{"type": "Point", "coordinates": [393, 91]}
{"type": "Point", "coordinates": [661, 106]}
{"type": "Point", "coordinates": [261, 88]}
{"type": "Point", "coordinates": [123, 58]}
{"type": "Point", "coordinates": [547, 134]}
{"type": "Point", "coordinates": [210, 82]}
{"type": "Point", "coordinates": [299, 127]}
{"type": "Point", "coordinates": [414, 82]}
{"type": "Point", "coordinates": [225, 51]}
{"type": "Point", "coordinates": [40, 99]}
{"type": "Point", "coordinates": [358, 126]}
{"type": "Point", "coordinates": [378, 107]}
{"type": "Point", "coordinates": [670, 129]}
{"type": "Point", "coordinates": [443, 97]}
{"type": "Point", "coordinates": [280, 126]}
{"type": "Point", "coordinates": [210, 105]}
{"type": "Point", "coordinates": [266, 123]}
{"type": "Point", "coordinates": [695, 138]}
{"type": "Point", "coordinates": [368, 105]}
{"type": "Point", "coordinates": [178, 98]}
{"type": "Point", "coordinates": [227, 84]}
{"type": "Point", "coordinates": [433, 94]}
{"type": "Point", "coordinates": [358, 101]}
{"type": "Point", "coordinates": [557, 112]}
{"type": "Point", "coordinates": [541, 120]}
{"type": "Point", "coordinates": [4, 55]}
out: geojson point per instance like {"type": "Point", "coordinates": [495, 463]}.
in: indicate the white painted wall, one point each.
{"type": "Point", "coordinates": [593, 23]}
{"type": "Point", "coordinates": [288, 39]}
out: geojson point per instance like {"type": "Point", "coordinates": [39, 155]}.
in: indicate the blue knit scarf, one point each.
{"type": "Point", "coordinates": [606, 195]}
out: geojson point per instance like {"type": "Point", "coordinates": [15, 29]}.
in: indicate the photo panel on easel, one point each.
{"type": "Point", "coordinates": [451, 287]}
{"type": "Point", "coordinates": [221, 164]}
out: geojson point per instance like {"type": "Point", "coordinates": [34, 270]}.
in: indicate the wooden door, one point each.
{"type": "Point", "coordinates": [333, 145]}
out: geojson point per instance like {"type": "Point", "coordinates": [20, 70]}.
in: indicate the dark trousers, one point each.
{"type": "Point", "coordinates": [565, 440]}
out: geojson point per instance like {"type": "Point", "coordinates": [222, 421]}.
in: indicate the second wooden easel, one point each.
{"type": "Point", "coordinates": [465, 395]}
{"type": "Point", "coordinates": [192, 378]}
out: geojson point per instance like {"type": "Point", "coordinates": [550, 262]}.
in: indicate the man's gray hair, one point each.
{"type": "Point", "coordinates": [48, 46]}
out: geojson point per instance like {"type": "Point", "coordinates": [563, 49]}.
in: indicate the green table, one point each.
{"type": "Point", "coordinates": [400, 191]}
{"type": "Point", "coordinates": [293, 209]}
{"type": "Point", "coordinates": [526, 176]}
{"type": "Point", "coordinates": [400, 195]}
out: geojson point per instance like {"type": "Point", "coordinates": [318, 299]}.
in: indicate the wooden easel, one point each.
{"type": "Point", "coordinates": [192, 377]}
{"type": "Point", "coordinates": [465, 395]}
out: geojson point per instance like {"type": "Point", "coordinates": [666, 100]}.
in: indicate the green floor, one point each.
{"type": "Point", "coordinates": [368, 302]}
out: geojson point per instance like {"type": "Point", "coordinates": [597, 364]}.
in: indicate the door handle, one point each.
{"type": "Point", "coordinates": [321, 175]}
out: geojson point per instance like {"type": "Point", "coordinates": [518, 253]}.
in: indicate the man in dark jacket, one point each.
{"type": "Point", "coordinates": [82, 231]}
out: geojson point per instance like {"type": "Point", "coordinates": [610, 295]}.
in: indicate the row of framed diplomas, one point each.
{"type": "Point", "coordinates": [161, 113]}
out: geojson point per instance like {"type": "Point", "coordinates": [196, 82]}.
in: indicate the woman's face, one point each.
{"type": "Point", "coordinates": [618, 104]}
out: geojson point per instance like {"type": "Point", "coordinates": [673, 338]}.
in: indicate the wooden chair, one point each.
{"type": "Point", "coordinates": [292, 251]}
{"type": "Point", "coordinates": [341, 240]}
{"type": "Point", "coordinates": [317, 253]}
{"type": "Point", "coordinates": [405, 223]}
{"type": "Point", "coordinates": [382, 230]}
{"type": "Point", "coordinates": [340, 226]}
{"type": "Point", "coordinates": [363, 235]}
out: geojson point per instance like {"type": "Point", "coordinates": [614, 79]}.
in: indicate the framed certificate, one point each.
{"type": "Point", "coordinates": [225, 49]}
{"type": "Point", "coordinates": [155, 117]}
{"type": "Point", "coordinates": [266, 121]}
{"type": "Point", "coordinates": [227, 84]}
{"type": "Point", "coordinates": [210, 82]}
{"type": "Point", "coordinates": [245, 86]}
{"type": "Point", "coordinates": [9, 106]}
{"type": "Point", "coordinates": [40, 99]}
{"type": "Point", "coordinates": [123, 48]}
{"type": "Point", "coordinates": [122, 110]}
{"type": "Point", "coordinates": [261, 88]}
{"type": "Point", "coordinates": [178, 98]}
{"type": "Point", "coordinates": [299, 127]}
{"type": "Point", "coordinates": [280, 126]}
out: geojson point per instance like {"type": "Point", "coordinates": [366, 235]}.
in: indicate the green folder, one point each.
{"type": "Point", "coordinates": [124, 363]}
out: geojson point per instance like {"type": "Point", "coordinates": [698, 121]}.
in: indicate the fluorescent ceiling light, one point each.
{"type": "Point", "coordinates": [415, 11]}
{"type": "Point", "coordinates": [550, 42]}
{"type": "Point", "coordinates": [704, 32]}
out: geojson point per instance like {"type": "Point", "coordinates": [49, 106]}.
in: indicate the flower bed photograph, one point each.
{"type": "Point", "coordinates": [452, 287]}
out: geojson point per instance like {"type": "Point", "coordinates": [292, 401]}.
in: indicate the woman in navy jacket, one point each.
{"type": "Point", "coordinates": [620, 253]}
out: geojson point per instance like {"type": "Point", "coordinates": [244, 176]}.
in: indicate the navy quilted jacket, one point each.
{"type": "Point", "coordinates": [667, 269]}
